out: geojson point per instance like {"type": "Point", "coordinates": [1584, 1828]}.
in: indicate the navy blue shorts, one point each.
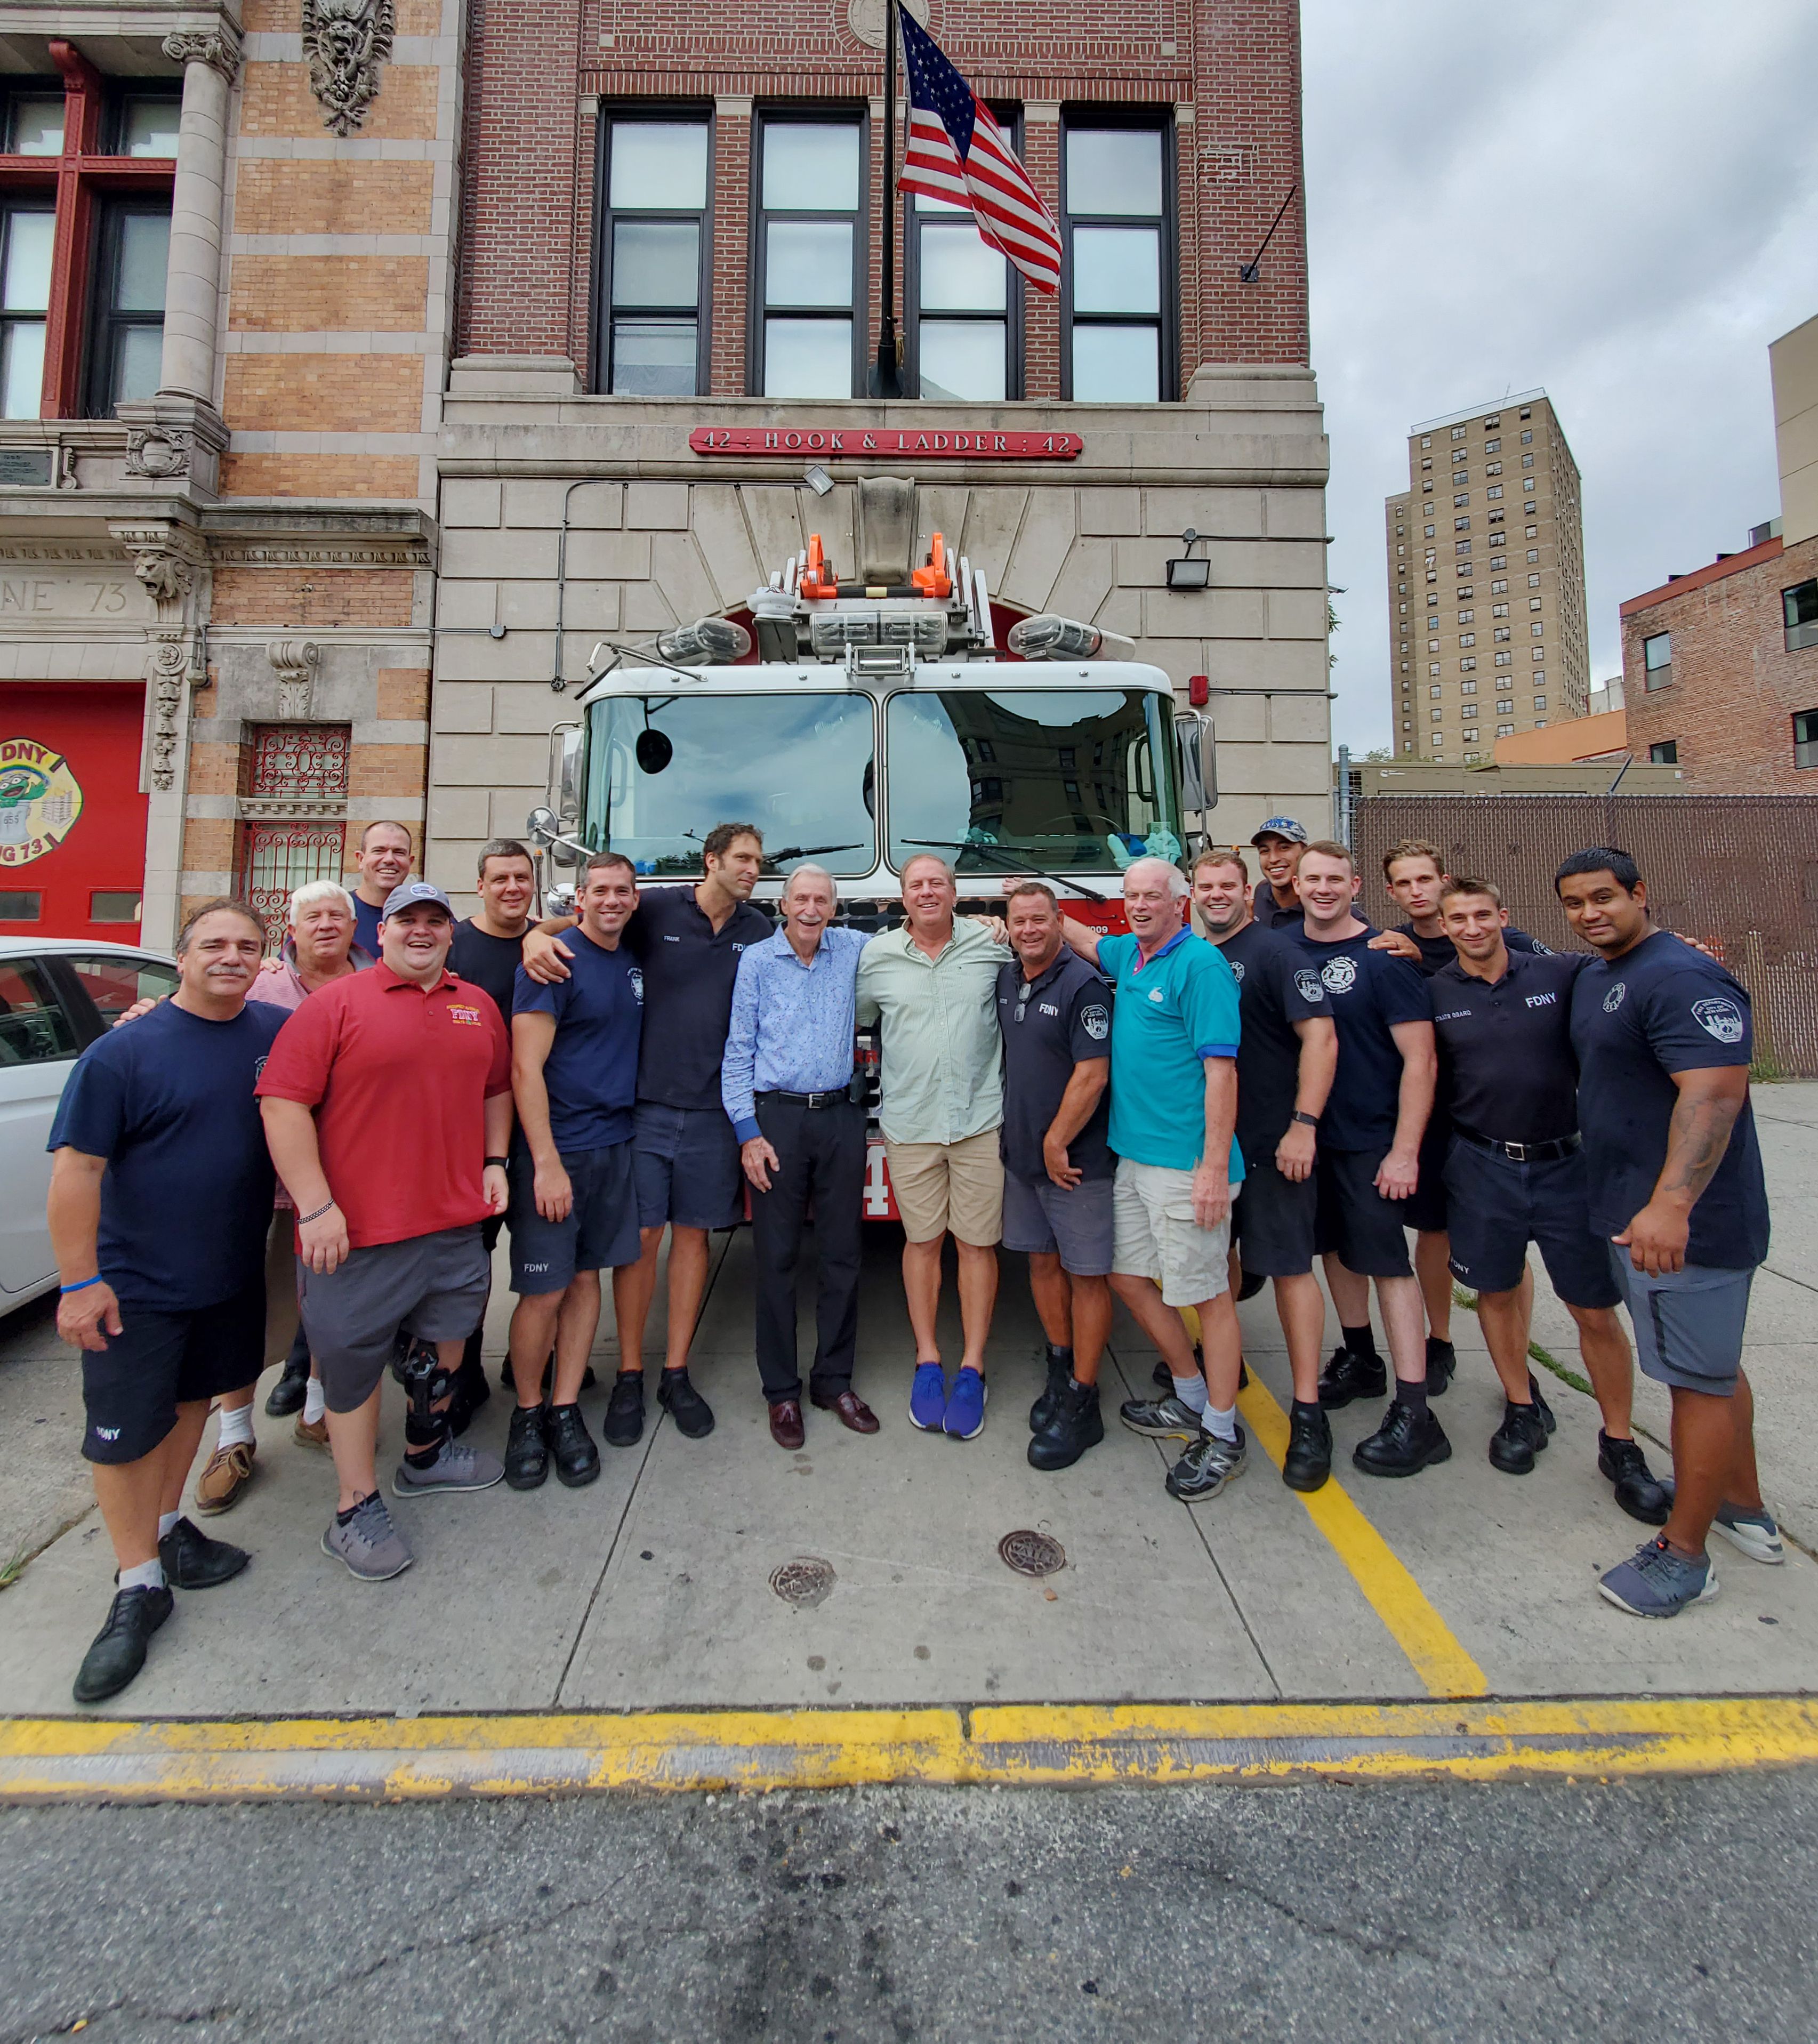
{"type": "Point", "coordinates": [131, 1389]}
{"type": "Point", "coordinates": [601, 1232]}
{"type": "Point", "coordinates": [1353, 1221]}
{"type": "Point", "coordinates": [1499, 1206]}
{"type": "Point", "coordinates": [1272, 1223]}
{"type": "Point", "coordinates": [1427, 1209]}
{"type": "Point", "coordinates": [687, 1164]}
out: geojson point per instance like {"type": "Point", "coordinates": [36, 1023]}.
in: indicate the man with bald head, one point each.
{"type": "Point", "coordinates": [787, 1086]}
{"type": "Point", "coordinates": [932, 983]}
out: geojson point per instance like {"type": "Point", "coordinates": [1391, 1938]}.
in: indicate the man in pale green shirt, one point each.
{"type": "Point", "coordinates": [932, 985]}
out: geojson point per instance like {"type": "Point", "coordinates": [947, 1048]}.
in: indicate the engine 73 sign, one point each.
{"type": "Point", "coordinates": [39, 800]}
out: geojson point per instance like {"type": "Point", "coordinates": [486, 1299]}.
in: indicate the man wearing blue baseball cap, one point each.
{"type": "Point", "coordinates": [1278, 900]}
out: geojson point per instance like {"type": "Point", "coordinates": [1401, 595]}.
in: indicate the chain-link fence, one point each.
{"type": "Point", "coordinates": [1738, 872]}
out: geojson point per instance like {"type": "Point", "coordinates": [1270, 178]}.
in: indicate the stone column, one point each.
{"type": "Point", "coordinates": [210, 60]}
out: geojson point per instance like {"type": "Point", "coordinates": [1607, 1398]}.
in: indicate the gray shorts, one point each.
{"type": "Point", "coordinates": [433, 1285]}
{"type": "Point", "coordinates": [1043, 1218]}
{"type": "Point", "coordinates": [1688, 1324]}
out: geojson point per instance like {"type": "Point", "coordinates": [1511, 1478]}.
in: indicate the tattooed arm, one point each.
{"type": "Point", "coordinates": [1709, 1101]}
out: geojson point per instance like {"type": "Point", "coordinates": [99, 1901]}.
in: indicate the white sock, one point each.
{"type": "Point", "coordinates": [315, 1402]}
{"type": "Point", "coordinates": [1191, 1392]}
{"type": "Point", "coordinates": [168, 1522]}
{"type": "Point", "coordinates": [148, 1576]}
{"type": "Point", "coordinates": [235, 1427]}
{"type": "Point", "coordinates": [1223, 1424]}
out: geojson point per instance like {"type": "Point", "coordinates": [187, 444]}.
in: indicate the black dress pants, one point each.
{"type": "Point", "coordinates": [822, 1157]}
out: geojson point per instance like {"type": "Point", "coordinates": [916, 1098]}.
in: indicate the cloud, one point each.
{"type": "Point", "coordinates": [1619, 205]}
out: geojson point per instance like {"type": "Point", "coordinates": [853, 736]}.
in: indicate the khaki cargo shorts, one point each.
{"type": "Point", "coordinates": [949, 1188]}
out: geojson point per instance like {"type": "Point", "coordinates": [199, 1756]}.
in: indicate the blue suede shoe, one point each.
{"type": "Point", "coordinates": [966, 1407]}
{"type": "Point", "coordinates": [927, 1398]}
{"type": "Point", "coordinates": [1655, 1582]}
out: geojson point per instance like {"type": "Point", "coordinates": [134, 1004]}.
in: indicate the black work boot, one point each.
{"type": "Point", "coordinates": [1308, 1462]}
{"type": "Point", "coordinates": [1074, 1425]}
{"type": "Point", "coordinates": [291, 1388]}
{"type": "Point", "coordinates": [1405, 1443]}
{"type": "Point", "coordinates": [526, 1449]}
{"type": "Point", "coordinates": [118, 1650]}
{"type": "Point", "coordinates": [1060, 1373]}
{"type": "Point", "coordinates": [1348, 1375]}
{"type": "Point", "coordinates": [1638, 1491]}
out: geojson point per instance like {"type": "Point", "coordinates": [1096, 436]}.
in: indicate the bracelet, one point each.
{"type": "Point", "coordinates": [302, 1219]}
{"type": "Point", "coordinates": [83, 1286]}
{"type": "Point", "coordinates": [1306, 1120]}
{"type": "Point", "coordinates": [503, 1162]}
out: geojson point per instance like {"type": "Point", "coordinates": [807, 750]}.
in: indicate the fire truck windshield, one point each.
{"type": "Point", "coordinates": [663, 769]}
{"type": "Point", "coordinates": [1072, 780]}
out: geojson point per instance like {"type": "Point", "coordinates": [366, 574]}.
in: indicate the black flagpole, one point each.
{"type": "Point", "coordinates": [886, 379]}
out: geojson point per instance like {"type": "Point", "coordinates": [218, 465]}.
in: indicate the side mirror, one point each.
{"type": "Point", "coordinates": [1198, 744]}
{"type": "Point", "coordinates": [541, 829]}
{"type": "Point", "coordinates": [567, 748]}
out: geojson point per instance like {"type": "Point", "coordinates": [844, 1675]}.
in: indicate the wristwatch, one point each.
{"type": "Point", "coordinates": [500, 1161]}
{"type": "Point", "coordinates": [1306, 1120]}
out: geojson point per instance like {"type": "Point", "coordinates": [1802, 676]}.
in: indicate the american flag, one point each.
{"type": "Point", "coordinates": [956, 152]}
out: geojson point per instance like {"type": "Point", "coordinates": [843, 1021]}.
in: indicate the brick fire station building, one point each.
{"type": "Point", "coordinates": [346, 344]}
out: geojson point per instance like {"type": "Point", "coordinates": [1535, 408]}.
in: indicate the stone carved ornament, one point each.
{"type": "Point", "coordinates": [218, 51]}
{"type": "Point", "coordinates": [168, 577]}
{"type": "Point", "coordinates": [345, 42]}
{"type": "Point", "coordinates": [157, 451]}
{"type": "Point", "coordinates": [295, 662]}
{"type": "Point", "coordinates": [169, 663]}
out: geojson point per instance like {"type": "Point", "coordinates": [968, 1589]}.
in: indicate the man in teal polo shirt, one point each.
{"type": "Point", "coordinates": [1173, 1112]}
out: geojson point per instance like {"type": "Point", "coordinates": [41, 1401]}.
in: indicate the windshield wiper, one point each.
{"type": "Point", "coordinates": [1014, 859]}
{"type": "Point", "coordinates": [806, 851]}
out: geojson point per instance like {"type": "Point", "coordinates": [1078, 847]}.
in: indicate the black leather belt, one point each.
{"type": "Point", "coordinates": [1522, 1153]}
{"type": "Point", "coordinates": [808, 1099]}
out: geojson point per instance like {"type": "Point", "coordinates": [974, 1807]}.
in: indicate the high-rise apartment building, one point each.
{"type": "Point", "coordinates": [1486, 583]}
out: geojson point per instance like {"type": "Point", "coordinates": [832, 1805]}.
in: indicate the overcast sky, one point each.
{"type": "Point", "coordinates": [1616, 203]}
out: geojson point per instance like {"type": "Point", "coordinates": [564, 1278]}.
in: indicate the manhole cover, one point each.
{"type": "Point", "coordinates": [1032, 1554]}
{"type": "Point", "coordinates": [807, 1580]}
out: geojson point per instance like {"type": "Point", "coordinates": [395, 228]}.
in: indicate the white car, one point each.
{"type": "Point", "coordinates": [57, 994]}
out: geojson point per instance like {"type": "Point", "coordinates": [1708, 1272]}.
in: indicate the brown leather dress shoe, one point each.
{"type": "Point", "coordinates": [227, 1474]}
{"type": "Point", "coordinates": [853, 1411]}
{"type": "Point", "coordinates": [786, 1427]}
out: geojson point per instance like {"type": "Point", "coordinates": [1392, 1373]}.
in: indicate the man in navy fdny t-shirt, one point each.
{"type": "Point", "coordinates": [1663, 1038]}
{"type": "Point", "coordinates": [160, 1200]}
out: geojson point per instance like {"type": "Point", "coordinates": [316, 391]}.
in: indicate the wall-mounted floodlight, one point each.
{"type": "Point", "coordinates": [1185, 572]}
{"type": "Point", "coordinates": [818, 478]}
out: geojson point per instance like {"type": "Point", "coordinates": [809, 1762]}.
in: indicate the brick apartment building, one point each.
{"type": "Point", "coordinates": [1485, 554]}
{"type": "Point", "coordinates": [346, 344]}
{"type": "Point", "coordinates": [1720, 666]}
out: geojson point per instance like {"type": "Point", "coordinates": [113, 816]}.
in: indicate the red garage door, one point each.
{"type": "Point", "coordinates": [72, 820]}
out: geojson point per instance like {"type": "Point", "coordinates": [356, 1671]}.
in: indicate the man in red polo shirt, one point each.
{"type": "Point", "coordinates": [388, 1106]}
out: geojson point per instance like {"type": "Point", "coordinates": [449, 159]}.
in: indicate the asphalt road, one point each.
{"type": "Point", "coordinates": [1657, 1910]}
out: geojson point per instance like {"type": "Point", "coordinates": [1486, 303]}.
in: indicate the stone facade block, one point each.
{"type": "Point", "coordinates": [1110, 512]}
{"type": "Point", "coordinates": [471, 501]}
{"type": "Point", "coordinates": [657, 507]}
{"type": "Point", "coordinates": [1041, 545]}
{"type": "Point", "coordinates": [488, 762]}
{"type": "Point", "coordinates": [462, 706]}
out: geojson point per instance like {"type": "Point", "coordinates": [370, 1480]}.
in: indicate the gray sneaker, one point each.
{"type": "Point", "coordinates": [372, 1547]}
{"type": "Point", "coordinates": [1753, 1532]}
{"type": "Point", "coordinates": [1207, 1466]}
{"type": "Point", "coordinates": [458, 1467]}
{"type": "Point", "coordinates": [1655, 1582]}
{"type": "Point", "coordinates": [1161, 1419]}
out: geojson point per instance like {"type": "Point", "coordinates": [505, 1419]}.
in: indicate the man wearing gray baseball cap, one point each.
{"type": "Point", "coordinates": [388, 1106]}
{"type": "Point", "coordinates": [1277, 901]}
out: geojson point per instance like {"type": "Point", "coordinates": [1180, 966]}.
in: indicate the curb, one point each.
{"type": "Point", "coordinates": [63, 1759]}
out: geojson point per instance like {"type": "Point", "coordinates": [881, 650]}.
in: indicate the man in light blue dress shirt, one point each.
{"type": "Point", "coordinates": [785, 1083]}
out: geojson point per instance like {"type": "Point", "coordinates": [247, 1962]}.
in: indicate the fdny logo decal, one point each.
{"type": "Point", "coordinates": [1096, 1022]}
{"type": "Point", "coordinates": [1237, 970]}
{"type": "Point", "coordinates": [1307, 983]}
{"type": "Point", "coordinates": [1720, 1018]}
{"type": "Point", "coordinates": [39, 800]}
{"type": "Point", "coordinates": [469, 1017]}
{"type": "Point", "coordinates": [1340, 973]}
{"type": "Point", "coordinates": [1156, 995]}
{"type": "Point", "coordinates": [1542, 1000]}
{"type": "Point", "coordinates": [258, 1069]}
{"type": "Point", "coordinates": [1612, 1000]}
{"type": "Point", "coordinates": [637, 978]}
{"type": "Point", "coordinates": [1541, 950]}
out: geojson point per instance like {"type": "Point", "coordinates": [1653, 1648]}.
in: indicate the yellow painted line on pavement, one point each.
{"type": "Point", "coordinates": [392, 1759]}
{"type": "Point", "coordinates": [1439, 1661]}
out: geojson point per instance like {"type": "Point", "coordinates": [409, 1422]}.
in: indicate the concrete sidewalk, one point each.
{"type": "Point", "coordinates": [651, 1590]}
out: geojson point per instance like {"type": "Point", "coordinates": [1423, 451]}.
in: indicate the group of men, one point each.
{"type": "Point", "coordinates": [1244, 1080]}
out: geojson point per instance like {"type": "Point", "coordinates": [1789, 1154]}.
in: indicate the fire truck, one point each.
{"type": "Point", "coordinates": [860, 718]}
